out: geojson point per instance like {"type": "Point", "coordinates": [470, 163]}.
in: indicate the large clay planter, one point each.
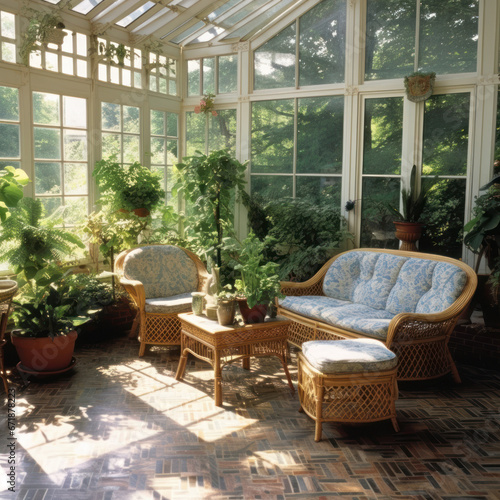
{"type": "Point", "coordinates": [45, 354]}
{"type": "Point", "coordinates": [225, 312]}
{"type": "Point", "coordinates": [408, 233]}
{"type": "Point", "coordinates": [490, 302]}
{"type": "Point", "coordinates": [256, 314]}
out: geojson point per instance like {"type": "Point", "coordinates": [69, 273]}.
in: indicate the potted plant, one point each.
{"type": "Point", "coordinates": [111, 50]}
{"type": "Point", "coordinates": [226, 300]}
{"type": "Point", "coordinates": [483, 237]}
{"type": "Point", "coordinates": [46, 334]}
{"type": "Point", "coordinates": [43, 27]}
{"type": "Point", "coordinates": [408, 226]}
{"type": "Point", "coordinates": [12, 181]}
{"type": "Point", "coordinates": [129, 187]}
{"type": "Point", "coordinates": [259, 282]}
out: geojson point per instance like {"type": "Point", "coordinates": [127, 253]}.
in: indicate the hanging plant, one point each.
{"type": "Point", "coordinates": [43, 28]}
{"type": "Point", "coordinates": [419, 86]}
{"type": "Point", "coordinates": [112, 51]}
{"type": "Point", "coordinates": [206, 105]}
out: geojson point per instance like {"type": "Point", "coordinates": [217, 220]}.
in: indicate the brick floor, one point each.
{"type": "Point", "coordinates": [121, 427]}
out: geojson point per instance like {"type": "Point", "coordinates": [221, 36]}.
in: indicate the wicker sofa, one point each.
{"type": "Point", "coordinates": [411, 301]}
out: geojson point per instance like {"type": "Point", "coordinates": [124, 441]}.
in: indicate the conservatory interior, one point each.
{"type": "Point", "coordinates": [227, 149]}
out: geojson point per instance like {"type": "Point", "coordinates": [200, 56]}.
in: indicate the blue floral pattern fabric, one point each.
{"type": "Point", "coordinates": [168, 305]}
{"type": "Point", "coordinates": [448, 282]}
{"type": "Point", "coordinates": [164, 270]}
{"type": "Point", "coordinates": [349, 356]}
{"type": "Point", "coordinates": [365, 290]}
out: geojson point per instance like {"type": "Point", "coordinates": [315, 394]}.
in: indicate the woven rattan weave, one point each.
{"type": "Point", "coordinates": [154, 328]}
{"type": "Point", "coordinates": [353, 397]}
{"type": "Point", "coordinates": [220, 345]}
{"type": "Point", "coordinates": [8, 289]}
{"type": "Point", "coordinates": [419, 340]}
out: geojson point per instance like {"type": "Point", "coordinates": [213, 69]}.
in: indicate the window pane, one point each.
{"type": "Point", "coordinates": [228, 74]}
{"type": "Point", "coordinates": [377, 229]}
{"type": "Point", "coordinates": [171, 152]}
{"type": "Point", "coordinates": [9, 163]}
{"type": "Point", "coordinates": [157, 150]}
{"type": "Point", "coordinates": [383, 136]}
{"type": "Point", "coordinates": [157, 122]}
{"type": "Point", "coordinates": [74, 112]}
{"type": "Point", "coordinates": [194, 77]}
{"type": "Point", "coordinates": [172, 124]}
{"type": "Point", "coordinates": [195, 133]}
{"type": "Point", "coordinates": [51, 204]}
{"type": "Point", "coordinates": [47, 178]}
{"type": "Point", "coordinates": [131, 148]}
{"type": "Point", "coordinates": [274, 62]}
{"type": "Point", "coordinates": [8, 21]}
{"type": "Point", "coordinates": [444, 219]}
{"type": "Point", "coordinates": [47, 143]}
{"type": "Point", "coordinates": [222, 130]}
{"type": "Point", "coordinates": [9, 52]}
{"type": "Point", "coordinates": [446, 134]}
{"type": "Point", "coordinates": [76, 210]}
{"type": "Point", "coordinates": [9, 103]}
{"type": "Point", "coordinates": [271, 187]}
{"type": "Point", "coordinates": [75, 178]}
{"type": "Point", "coordinates": [111, 145]}
{"type": "Point", "coordinates": [131, 119]}
{"type": "Point", "coordinates": [390, 38]}
{"type": "Point", "coordinates": [110, 116]}
{"type": "Point", "coordinates": [46, 109]}
{"type": "Point", "coordinates": [209, 75]}
{"type": "Point", "coordinates": [319, 135]}
{"type": "Point", "coordinates": [272, 136]}
{"type": "Point", "coordinates": [9, 140]}
{"type": "Point", "coordinates": [75, 145]}
{"type": "Point", "coordinates": [322, 43]}
{"type": "Point", "coordinates": [448, 36]}
{"type": "Point", "coordinates": [320, 189]}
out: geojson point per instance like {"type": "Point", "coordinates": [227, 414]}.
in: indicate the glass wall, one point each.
{"type": "Point", "coordinates": [212, 75]}
{"type": "Point", "coordinates": [10, 139]}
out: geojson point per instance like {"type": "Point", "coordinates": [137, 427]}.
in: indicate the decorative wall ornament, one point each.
{"type": "Point", "coordinates": [350, 90]}
{"type": "Point", "coordinates": [206, 105]}
{"type": "Point", "coordinates": [241, 46]}
{"type": "Point", "coordinates": [419, 86]}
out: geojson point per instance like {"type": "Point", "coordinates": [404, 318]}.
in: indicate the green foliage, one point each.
{"type": "Point", "coordinates": [302, 234]}
{"type": "Point", "coordinates": [128, 187]}
{"type": "Point", "coordinates": [483, 230]}
{"type": "Point", "coordinates": [88, 292]}
{"type": "Point", "coordinates": [40, 26]}
{"type": "Point", "coordinates": [165, 227]}
{"type": "Point", "coordinates": [209, 182]}
{"type": "Point", "coordinates": [259, 281]}
{"type": "Point", "coordinates": [12, 181]}
{"type": "Point", "coordinates": [413, 201]}
{"type": "Point", "coordinates": [31, 243]}
{"type": "Point", "coordinates": [111, 51]}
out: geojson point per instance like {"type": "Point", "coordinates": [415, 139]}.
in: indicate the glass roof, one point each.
{"type": "Point", "coordinates": [183, 22]}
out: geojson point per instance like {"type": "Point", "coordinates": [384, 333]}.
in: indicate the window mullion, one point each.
{"type": "Point", "coordinates": [417, 36]}
{"type": "Point", "coordinates": [295, 136]}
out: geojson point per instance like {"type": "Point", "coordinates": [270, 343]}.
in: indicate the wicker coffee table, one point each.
{"type": "Point", "coordinates": [220, 345]}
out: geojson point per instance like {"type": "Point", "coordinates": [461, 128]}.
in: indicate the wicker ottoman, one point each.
{"type": "Point", "coordinates": [347, 381]}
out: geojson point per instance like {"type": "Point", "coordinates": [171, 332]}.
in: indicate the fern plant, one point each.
{"type": "Point", "coordinates": [31, 243]}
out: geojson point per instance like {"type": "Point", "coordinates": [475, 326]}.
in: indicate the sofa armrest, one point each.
{"type": "Point", "coordinates": [136, 291]}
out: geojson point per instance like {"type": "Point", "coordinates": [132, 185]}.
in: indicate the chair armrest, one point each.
{"type": "Point", "coordinates": [415, 327]}
{"type": "Point", "coordinates": [136, 291]}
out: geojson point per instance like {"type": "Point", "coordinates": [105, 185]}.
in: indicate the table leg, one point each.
{"type": "Point", "coordinates": [183, 359]}
{"type": "Point", "coordinates": [217, 380]}
{"type": "Point", "coordinates": [246, 363]}
{"type": "Point", "coordinates": [287, 373]}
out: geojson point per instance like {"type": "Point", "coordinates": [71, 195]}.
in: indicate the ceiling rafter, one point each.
{"type": "Point", "coordinates": [115, 13]}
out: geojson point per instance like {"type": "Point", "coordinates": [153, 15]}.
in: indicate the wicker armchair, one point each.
{"type": "Point", "coordinates": [160, 279]}
{"type": "Point", "coordinates": [8, 289]}
{"type": "Point", "coordinates": [420, 340]}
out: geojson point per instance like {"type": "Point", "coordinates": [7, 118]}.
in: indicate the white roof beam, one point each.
{"type": "Point", "coordinates": [116, 12]}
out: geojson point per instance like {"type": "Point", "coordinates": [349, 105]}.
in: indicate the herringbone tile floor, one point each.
{"type": "Point", "coordinates": [121, 427]}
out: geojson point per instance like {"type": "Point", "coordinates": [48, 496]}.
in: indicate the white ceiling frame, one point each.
{"type": "Point", "coordinates": [144, 17]}
{"type": "Point", "coordinates": [98, 9]}
{"type": "Point", "coordinates": [152, 25]}
{"type": "Point", "coordinates": [245, 20]}
{"type": "Point", "coordinates": [116, 13]}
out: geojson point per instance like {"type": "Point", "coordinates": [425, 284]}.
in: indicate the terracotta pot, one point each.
{"type": "Point", "coordinates": [489, 300]}
{"type": "Point", "coordinates": [45, 354]}
{"type": "Point", "coordinates": [140, 212]}
{"type": "Point", "coordinates": [256, 314]}
{"type": "Point", "coordinates": [409, 233]}
{"type": "Point", "coordinates": [225, 312]}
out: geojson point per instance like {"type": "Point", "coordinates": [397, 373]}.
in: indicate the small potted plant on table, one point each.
{"type": "Point", "coordinates": [259, 283]}
{"type": "Point", "coordinates": [226, 300]}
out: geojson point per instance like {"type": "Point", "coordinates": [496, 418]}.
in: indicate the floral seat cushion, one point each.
{"type": "Point", "coordinates": [164, 270]}
{"type": "Point", "coordinates": [349, 356]}
{"type": "Point", "coordinates": [169, 305]}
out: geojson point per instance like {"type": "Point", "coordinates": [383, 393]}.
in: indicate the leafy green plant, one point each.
{"type": "Point", "coordinates": [413, 201]}
{"type": "Point", "coordinates": [48, 312]}
{"type": "Point", "coordinates": [111, 51]}
{"type": "Point", "coordinates": [259, 281]}
{"type": "Point", "coordinates": [127, 187]}
{"type": "Point", "coordinates": [12, 181]}
{"type": "Point", "coordinates": [31, 244]}
{"type": "Point", "coordinates": [227, 292]}
{"type": "Point", "coordinates": [40, 27]}
{"type": "Point", "coordinates": [209, 182]}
